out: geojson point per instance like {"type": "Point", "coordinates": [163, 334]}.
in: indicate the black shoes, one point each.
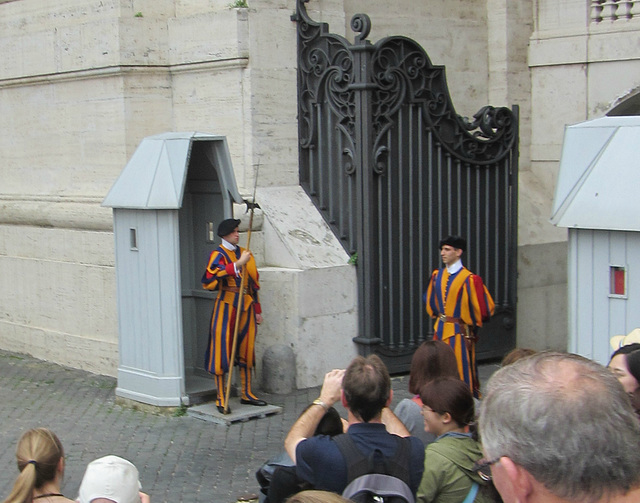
{"type": "Point", "coordinates": [253, 401]}
{"type": "Point", "coordinates": [245, 401]}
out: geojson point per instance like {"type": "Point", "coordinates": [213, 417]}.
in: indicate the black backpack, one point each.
{"type": "Point", "coordinates": [376, 478]}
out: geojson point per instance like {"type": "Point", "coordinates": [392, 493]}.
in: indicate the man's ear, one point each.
{"type": "Point", "coordinates": [343, 399]}
{"type": "Point", "coordinates": [60, 467]}
{"type": "Point", "coordinates": [390, 399]}
{"type": "Point", "coordinates": [521, 480]}
{"type": "Point", "coordinates": [446, 418]}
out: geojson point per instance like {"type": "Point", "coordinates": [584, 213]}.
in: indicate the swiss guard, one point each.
{"type": "Point", "coordinates": [460, 303]}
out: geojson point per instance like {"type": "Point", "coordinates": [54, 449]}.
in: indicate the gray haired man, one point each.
{"type": "Point", "coordinates": [557, 427]}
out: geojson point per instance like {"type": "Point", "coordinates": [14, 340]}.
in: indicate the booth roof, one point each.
{"type": "Point", "coordinates": [155, 176]}
{"type": "Point", "coordinates": [599, 175]}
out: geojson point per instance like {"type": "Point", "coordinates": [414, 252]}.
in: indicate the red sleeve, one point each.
{"type": "Point", "coordinates": [479, 288]}
{"type": "Point", "coordinates": [231, 269]}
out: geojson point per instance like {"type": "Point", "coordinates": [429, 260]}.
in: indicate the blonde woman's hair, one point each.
{"type": "Point", "coordinates": [317, 497]}
{"type": "Point", "coordinates": [38, 453]}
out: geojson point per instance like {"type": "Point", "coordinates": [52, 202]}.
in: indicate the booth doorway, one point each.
{"type": "Point", "coordinates": [202, 209]}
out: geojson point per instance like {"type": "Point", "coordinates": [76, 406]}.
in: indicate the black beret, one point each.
{"type": "Point", "coordinates": [227, 226]}
{"type": "Point", "coordinates": [454, 241]}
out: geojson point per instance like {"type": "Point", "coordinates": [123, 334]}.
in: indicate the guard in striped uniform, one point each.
{"type": "Point", "coordinates": [224, 275]}
{"type": "Point", "coordinates": [460, 303]}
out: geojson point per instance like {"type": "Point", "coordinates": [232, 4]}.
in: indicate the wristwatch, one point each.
{"type": "Point", "coordinates": [319, 402]}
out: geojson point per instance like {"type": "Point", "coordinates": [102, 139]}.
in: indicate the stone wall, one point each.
{"type": "Point", "coordinates": [82, 83]}
{"type": "Point", "coordinates": [63, 111]}
{"type": "Point", "coordinates": [579, 70]}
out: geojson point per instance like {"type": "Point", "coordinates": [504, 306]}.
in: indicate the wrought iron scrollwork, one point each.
{"type": "Point", "coordinates": [349, 161]}
{"type": "Point", "coordinates": [325, 72]}
{"type": "Point", "coordinates": [361, 24]}
{"type": "Point", "coordinates": [381, 149]}
{"type": "Point", "coordinates": [403, 74]}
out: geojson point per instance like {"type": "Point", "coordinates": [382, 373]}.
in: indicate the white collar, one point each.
{"type": "Point", "coordinates": [455, 267]}
{"type": "Point", "coordinates": [228, 245]}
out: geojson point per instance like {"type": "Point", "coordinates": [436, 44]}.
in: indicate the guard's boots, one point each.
{"type": "Point", "coordinates": [220, 394]}
{"type": "Point", "coordinates": [247, 396]}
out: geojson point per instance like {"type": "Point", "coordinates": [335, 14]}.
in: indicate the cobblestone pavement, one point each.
{"type": "Point", "coordinates": [179, 458]}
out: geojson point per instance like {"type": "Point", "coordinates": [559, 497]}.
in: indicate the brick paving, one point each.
{"type": "Point", "coordinates": [179, 458]}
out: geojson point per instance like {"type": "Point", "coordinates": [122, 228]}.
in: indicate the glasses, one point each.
{"type": "Point", "coordinates": [483, 468]}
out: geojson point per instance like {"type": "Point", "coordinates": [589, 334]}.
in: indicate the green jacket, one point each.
{"type": "Point", "coordinates": [447, 474]}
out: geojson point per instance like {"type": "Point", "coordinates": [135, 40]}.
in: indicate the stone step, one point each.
{"type": "Point", "coordinates": [239, 413]}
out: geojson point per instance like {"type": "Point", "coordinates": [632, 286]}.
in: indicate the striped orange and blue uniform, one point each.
{"type": "Point", "coordinates": [220, 276]}
{"type": "Point", "coordinates": [466, 303]}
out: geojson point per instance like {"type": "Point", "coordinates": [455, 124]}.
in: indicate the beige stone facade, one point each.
{"type": "Point", "coordinates": [583, 62]}
{"type": "Point", "coordinates": [82, 82]}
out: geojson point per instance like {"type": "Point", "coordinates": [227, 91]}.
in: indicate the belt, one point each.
{"type": "Point", "coordinates": [470, 336]}
{"type": "Point", "coordinates": [449, 319]}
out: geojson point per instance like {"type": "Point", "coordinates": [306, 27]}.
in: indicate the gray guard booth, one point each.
{"type": "Point", "coordinates": [167, 203]}
{"type": "Point", "coordinates": [597, 200]}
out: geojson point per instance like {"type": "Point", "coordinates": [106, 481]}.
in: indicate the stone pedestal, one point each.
{"type": "Point", "coordinates": [279, 369]}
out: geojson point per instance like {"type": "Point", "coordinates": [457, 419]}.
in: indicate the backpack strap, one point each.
{"type": "Point", "coordinates": [472, 493]}
{"type": "Point", "coordinates": [400, 462]}
{"type": "Point", "coordinates": [358, 464]}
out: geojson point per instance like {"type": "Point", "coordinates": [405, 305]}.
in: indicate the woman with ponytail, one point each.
{"type": "Point", "coordinates": [41, 463]}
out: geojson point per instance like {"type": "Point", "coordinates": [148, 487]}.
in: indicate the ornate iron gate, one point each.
{"type": "Point", "coordinates": [393, 168]}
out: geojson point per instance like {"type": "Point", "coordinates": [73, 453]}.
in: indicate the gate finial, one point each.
{"type": "Point", "coordinates": [361, 24]}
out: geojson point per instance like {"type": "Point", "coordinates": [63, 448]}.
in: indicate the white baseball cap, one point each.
{"type": "Point", "coordinates": [112, 478]}
{"type": "Point", "coordinates": [617, 341]}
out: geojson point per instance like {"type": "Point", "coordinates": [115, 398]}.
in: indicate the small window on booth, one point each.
{"type": "Point", "coordinates": [617, 281]}
{"type": "Point", "coordinates": [211, 236]}
{"type": "Point", "coordinates": [133, 239]}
